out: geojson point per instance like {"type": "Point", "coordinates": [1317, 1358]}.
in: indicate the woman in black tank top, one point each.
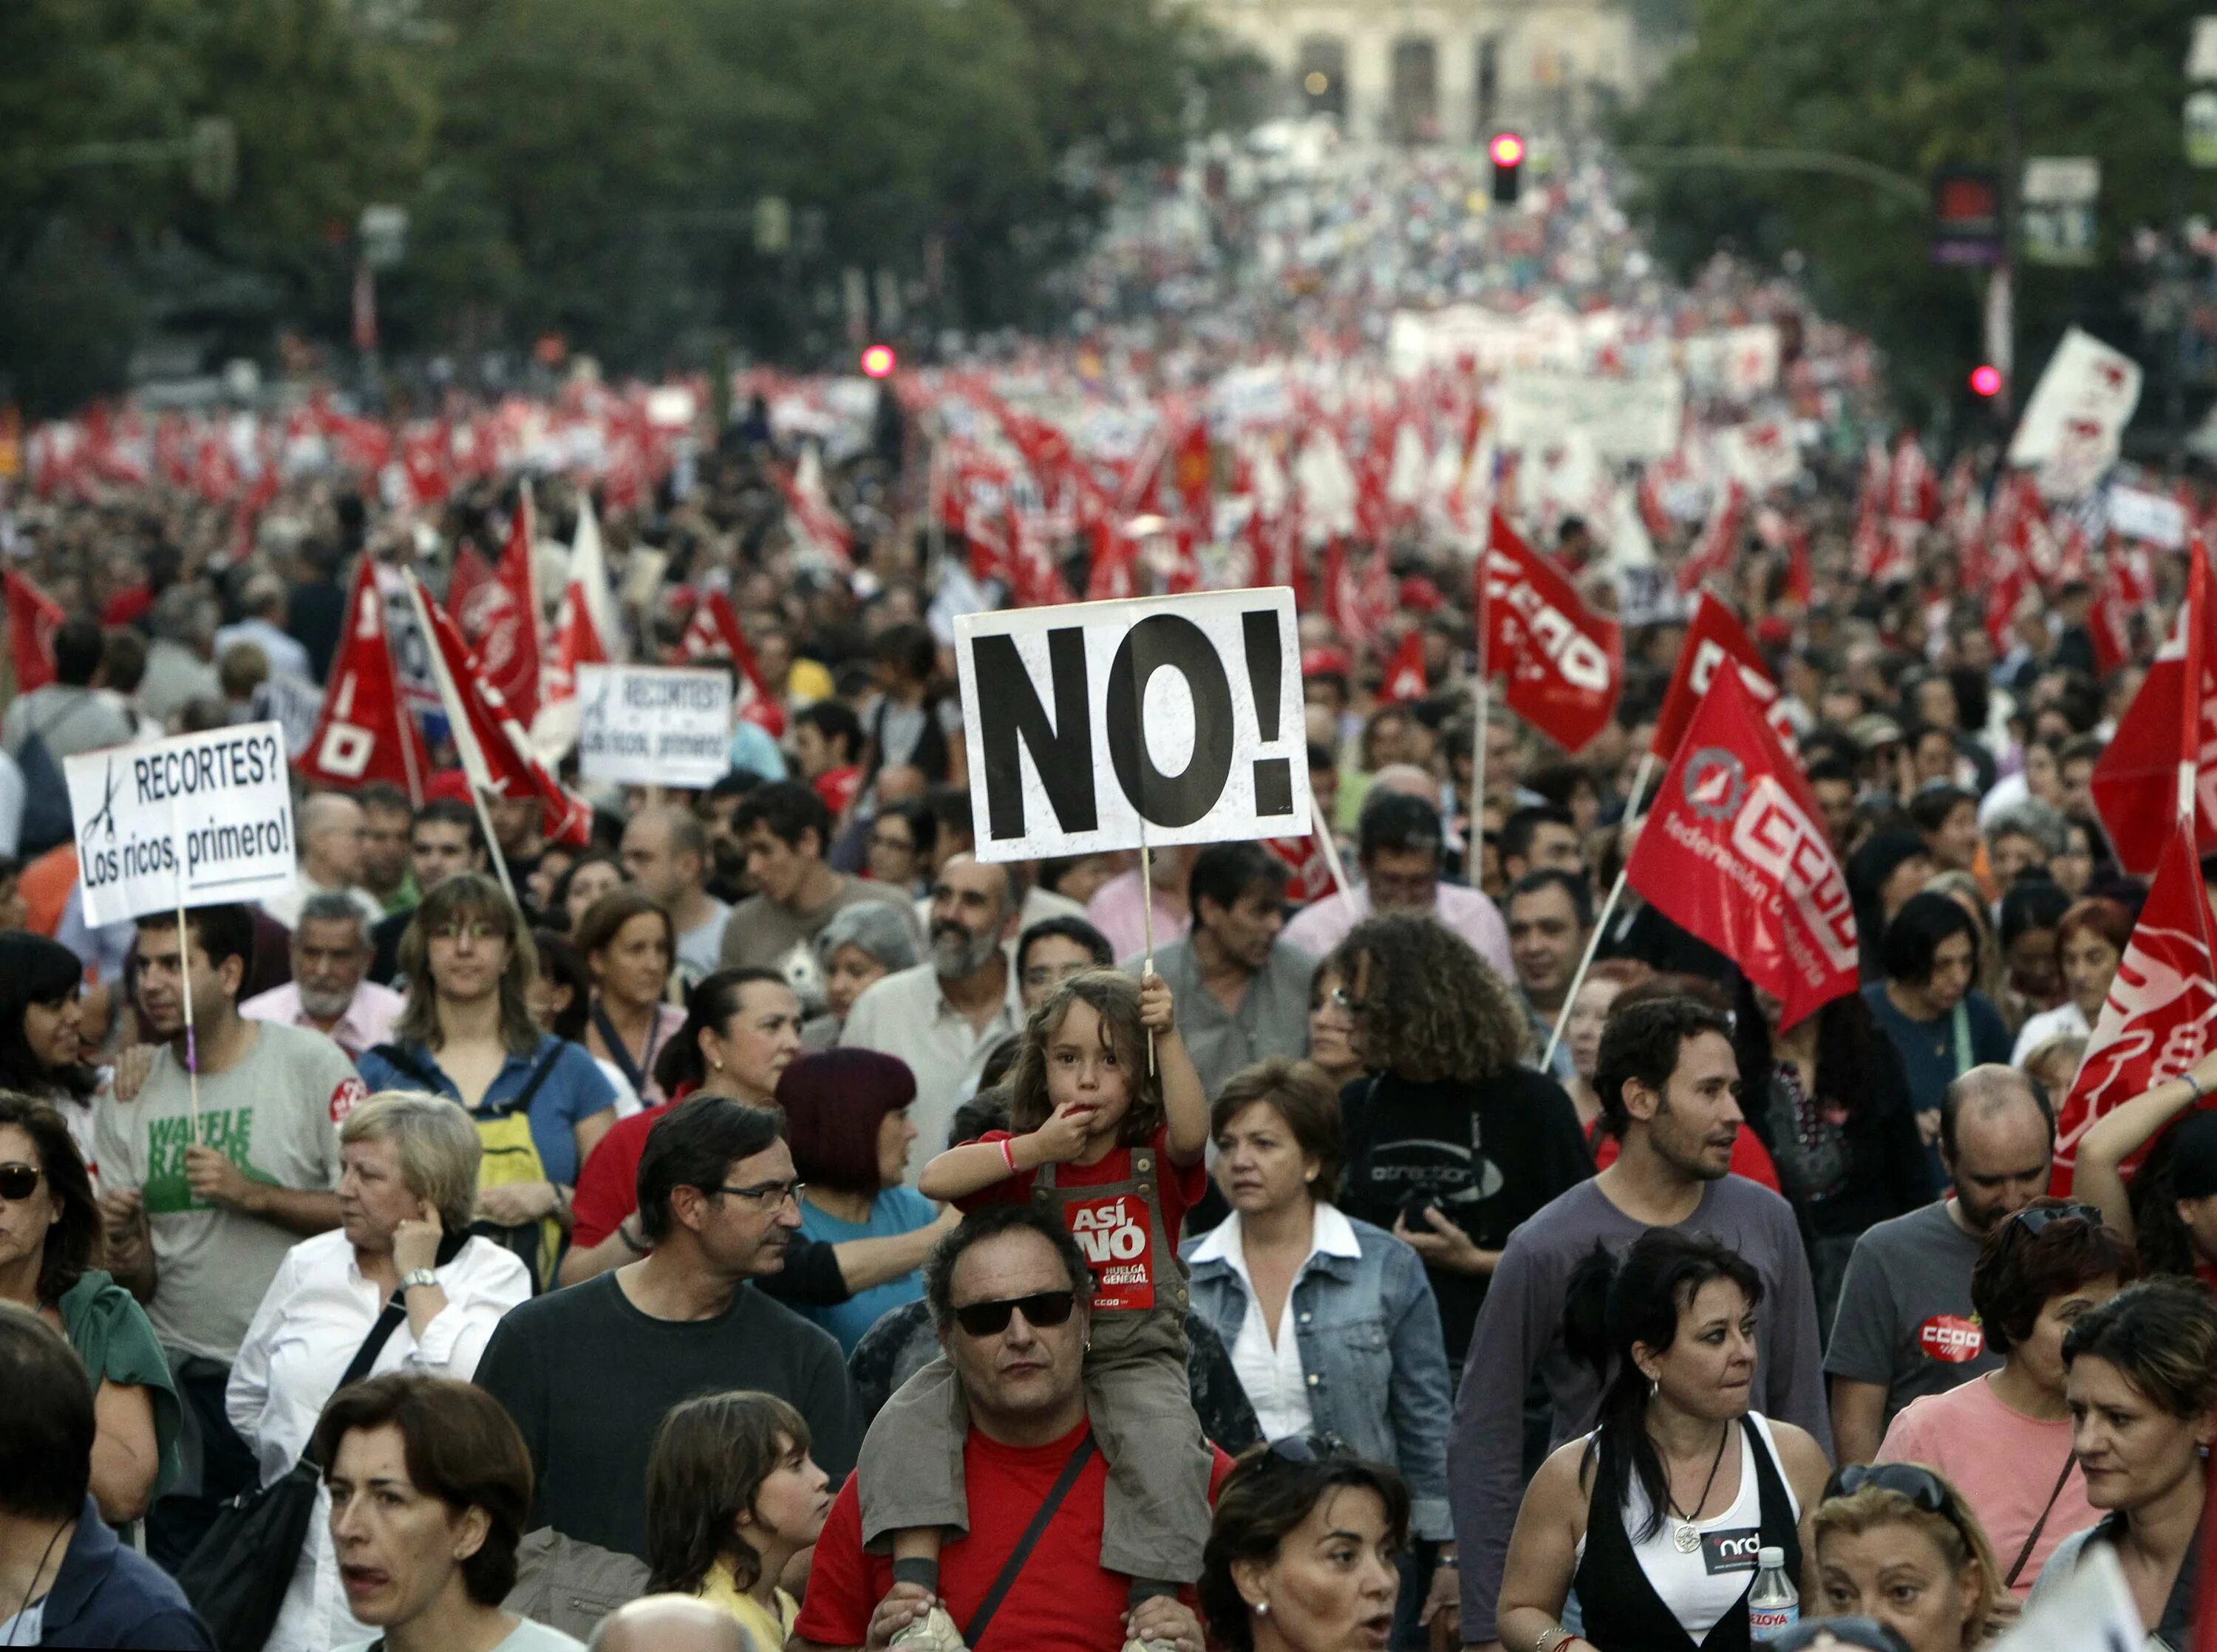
{"type": "Point", "coordinates": [1656, 1517]}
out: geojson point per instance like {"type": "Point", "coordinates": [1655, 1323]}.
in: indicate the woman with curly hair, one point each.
{"type": "Point", "coordinates": [1451, 1141]}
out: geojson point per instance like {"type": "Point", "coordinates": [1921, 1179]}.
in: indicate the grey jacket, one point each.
{"type": "Point", "coordinates": [1368, 1332]}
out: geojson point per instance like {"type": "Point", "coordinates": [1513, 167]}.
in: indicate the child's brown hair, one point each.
{"type": "Point", "coordinates": [1115, 998]}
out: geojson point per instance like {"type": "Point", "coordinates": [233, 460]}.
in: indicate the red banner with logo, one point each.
{"type": "Point", "coordinates": [363, 733]}
{"type": "Point", "coordinates": [1715, 637]}
{"type": "Point", "coordinates": [1735, 852]}
{"type": "Point", "coordinates": [2136, 780]}
{"type": "Point", "coordinates": [1564, 663]}
{"type": "Point", "coordinates": [33, 619]}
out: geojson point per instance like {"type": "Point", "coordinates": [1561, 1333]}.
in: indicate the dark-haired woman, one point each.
{"type": "Point", "coordinates": [846, 1114]}
{"type": "Point", "coordinates": [2005, 1438]}
{"type": "Point", "coordinates": [1942, 1026]}
{"type": "Point", "coordinates": [2142, 1383]}
{"type": "Point", "coordinates": [732, 1496]}
{"type": "Point", "coordinates": [42, 1021]}
{"type": "Point", "coordinates": [1827, 1097]}
{"type": "Point", "coordinates": [431, 1486]}
{"type": "Point", "coordinates": [1302, 1549]}
{"type": "Point", "coordinates": [1656, 1515]}
{"type": "Point", "coordinates": [591, 875]}
{"type": "Point", "coordinates": [1453, 1141]}
{"type": "Point", "coordinates": [630, 945]}
{"type": "Point", "coordinates": [49, 1237]}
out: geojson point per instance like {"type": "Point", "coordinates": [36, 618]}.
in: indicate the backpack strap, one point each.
{"type": "Point", "coordinates": [393, 1055]}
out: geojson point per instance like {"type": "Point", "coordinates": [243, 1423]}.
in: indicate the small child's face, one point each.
{"type": "Point", "coordinates": [1083, 1071]}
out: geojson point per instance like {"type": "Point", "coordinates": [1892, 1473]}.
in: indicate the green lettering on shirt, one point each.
{"type": "Point", "coordinates": [230, 1131]}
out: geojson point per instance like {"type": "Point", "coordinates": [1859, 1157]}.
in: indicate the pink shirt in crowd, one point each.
{"type": "Point", "coordinates": [1114, 911]}
{"type": "Point", "coordinates": [368, 1019]}
{"type": "Point", "coordinates": [2002, 1463]}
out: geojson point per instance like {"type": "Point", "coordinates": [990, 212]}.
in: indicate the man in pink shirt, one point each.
{"type": "Point", "coordinates": [330, 990]}
{"type": "Point", "coordinates": [1117, 911]}
{"type": "Point", "coordinates": [1400, 850]}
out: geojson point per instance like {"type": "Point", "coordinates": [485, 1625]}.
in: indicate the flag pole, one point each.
{"type": "Point", "coordinates": [458, 719]}
{"type": "Point", "coordinates": [1601, 919]}
{"type": "Point", "coordinates": [1474, 866]}
{"type": "Point", "coordinates": [2189, 740]}
{"type": "Point", "coordinates": [1147, 923]}
{"type": "Point", "coordinates": [185, 972]}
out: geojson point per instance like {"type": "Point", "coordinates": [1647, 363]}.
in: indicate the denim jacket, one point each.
{"type": "Point", "coordinates": [1368, 1332]}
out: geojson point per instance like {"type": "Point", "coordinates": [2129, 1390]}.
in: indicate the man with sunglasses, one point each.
{"type": "Point", "coordinates": [1905, 1326]}
{"type": "Point", "coordinates": [1009, 1293]}
{"type": "Point", "coordinates": [589, 1372]}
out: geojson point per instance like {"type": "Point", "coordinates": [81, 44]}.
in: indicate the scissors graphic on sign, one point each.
{"type": "Point", "coordinates": [105, 815]}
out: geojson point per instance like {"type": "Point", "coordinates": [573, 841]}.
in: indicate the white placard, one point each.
{"type": "Point", "coordinates": [2139, 514]}
{"type": "Point", "coordinates": [2093, 1612]}
{"type": "Point", "coordinates": [654, 726]}
{"type": "Point", "coordinates": [196, 821]}
{"type": "Point", "coordinates": [2201, 54]}
{"type": "Point", "coordinates": [2077, 416]}
{"type": "Point", "coordinates": [1631, 418]}
{"type": "Point", "coordinates": [1076, 717]}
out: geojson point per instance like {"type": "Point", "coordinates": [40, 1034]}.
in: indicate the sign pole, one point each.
{"type": "Point", "coordinates": [1475, 863]}
{"type": "Point", "coordinates": [1147, 922]}
{"type": "Point", "coordinates": [492, 845]}
{"type": "Point", "coordinates": [185, 972]}
{"type": "Point", "coordinates": [1601, 919]}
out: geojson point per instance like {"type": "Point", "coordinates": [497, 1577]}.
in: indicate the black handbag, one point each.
{"type": "Point", "coordinates": [237, 1576]}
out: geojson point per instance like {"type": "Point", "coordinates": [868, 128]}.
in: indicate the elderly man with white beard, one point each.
{"type": "Point", "coordinates": [330, 990]}
{"type": "Point", "coordinates": [946, 1016]}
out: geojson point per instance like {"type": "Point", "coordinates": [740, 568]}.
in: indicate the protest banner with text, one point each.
{"type": "Point", "coordinates": [654, 726]}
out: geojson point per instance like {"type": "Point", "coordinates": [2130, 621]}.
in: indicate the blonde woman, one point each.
{"type": "Point", "coordinates": [1895, 1543]}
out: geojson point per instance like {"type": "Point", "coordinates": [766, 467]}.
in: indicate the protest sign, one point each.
{"type": "Point", "coordinates": [1090, 723]}
{"type": "Point", "coordinates": [1627, 418]}
{"type": "Point", "coordinates": [196, 821]}
{"type": "Point", "coordinates": [654, 726]}
{"type": "Point", "coordinates": [2074, 424]}
{"type": "Point", "coordinates": [2092, 1611]}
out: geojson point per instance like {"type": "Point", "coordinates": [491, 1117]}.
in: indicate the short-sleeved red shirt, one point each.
{"type": "Point", "coordinates": [1111, 1230]}
{"type": "Point", "coordinates": [1061, 1602]}
{"type": "Point", "coordinates": [607, 1183]}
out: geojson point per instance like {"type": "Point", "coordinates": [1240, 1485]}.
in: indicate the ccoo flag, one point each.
{"type": "Point", "coordinates": [1564, 662]}
{"type": "Point", "coordinates": [2137, 776]}
{"type": "Point", "coordinates": [1733, 852]}
{"type": "Point", "coordinates": [1712, 638]}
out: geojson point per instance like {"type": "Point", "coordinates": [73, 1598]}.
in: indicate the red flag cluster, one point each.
{"type": "Point", "coordinates": [33, 619]}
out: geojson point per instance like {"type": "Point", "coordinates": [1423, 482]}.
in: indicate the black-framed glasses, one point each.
{"type": "Point", "coordinates": [19, 1181]}
{"type": "Point", "coordinates": [1921, 1486]}
{"type": "Point", "coordinates": [1041, 1307]}
{"type": "Point", "coordinates": [770, 1194]}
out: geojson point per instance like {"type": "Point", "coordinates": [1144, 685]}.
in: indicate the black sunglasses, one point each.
{"type": "Point", "coordinates": [1921, 1486]}
{"type": "Point", "coordinates": [18, 1181]}
{"type": "Point", "coordinates": [2042, 1217]}
{"type": "Point", "coordinates": [1040, 1308]}
{"type": "Point", "coordinates": [1867, 1632]}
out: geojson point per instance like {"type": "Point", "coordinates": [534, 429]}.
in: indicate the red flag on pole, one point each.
{"type": "Point", "coordinates": [1718, 547]}
{"type": "Point", "coordinates": [1405, 672]}
{"type": "Point", "coordinates": [363, 733]}
{"type": "Point", "coordinates": [2136, 780]}
{"type": "Point", "coordinates": [1735, 852]}
{"type": "Point", "coordinates": [33, 619]}
{"type": "Point", "coordinates": [1565, 664]}
{"type": "Point", "coordinates": [1714, 638]}
{"type": "Point", "coordinates": [510, 652]}
{"type": "Point", "coordinates": [713, 633]}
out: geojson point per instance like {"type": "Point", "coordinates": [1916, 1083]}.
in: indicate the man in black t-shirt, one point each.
{"type": "Point", "coordinates": [589, 1372]}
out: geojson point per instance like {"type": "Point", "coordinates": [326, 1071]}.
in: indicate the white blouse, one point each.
{"type": "Point", "coordinates": [1269, 1367]}
{"type": "Point", "coordinates": [310, 1325]}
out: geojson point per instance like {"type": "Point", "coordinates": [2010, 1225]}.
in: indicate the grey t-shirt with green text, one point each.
{"type": "Point", "coordinates": [274, 1115]}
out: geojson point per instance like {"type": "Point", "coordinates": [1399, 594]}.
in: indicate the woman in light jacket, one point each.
{"type": "Point", "coordinates": [1331, 1322]}
{"type": "Point", "coordinates": [406, 1193]}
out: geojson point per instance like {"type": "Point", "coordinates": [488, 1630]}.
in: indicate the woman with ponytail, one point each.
{"type": "Point", "coordinates": [1656, 1517]}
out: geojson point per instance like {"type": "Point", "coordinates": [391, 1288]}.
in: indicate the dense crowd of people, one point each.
{"type": "Point", "coordinates": [769, 1224]}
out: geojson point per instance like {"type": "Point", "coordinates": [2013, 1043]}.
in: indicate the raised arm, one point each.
{"type": "Point", "coordinates": [975, 1165]}
{"type": "Point", "coordinates": [1185, 1102]}
{"type": "Point", "coordinates": [2123, 1130]}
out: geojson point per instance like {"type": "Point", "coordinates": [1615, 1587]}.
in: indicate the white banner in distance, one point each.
{"type": "Point", "coordinates": [199, 820]}
{"type": "Point", "coordinates": [654, 726]}
{"type": "Point", "coordinates": [1077, 716]}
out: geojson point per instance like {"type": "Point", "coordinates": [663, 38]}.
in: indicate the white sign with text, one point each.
{"type": "Point", "coordinates": [654, 726]}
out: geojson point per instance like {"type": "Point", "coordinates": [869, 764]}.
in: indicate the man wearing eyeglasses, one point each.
{"type": "Point", "coordinates": [1401, 852]}
{"type": "Point", "coordinates": [589, 1372]}
{"type": "Point", "coordinates": [1009, 1293]}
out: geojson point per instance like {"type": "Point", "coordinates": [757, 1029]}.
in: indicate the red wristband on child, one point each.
{"type": "Point", "coordinates": [1009, 1154]}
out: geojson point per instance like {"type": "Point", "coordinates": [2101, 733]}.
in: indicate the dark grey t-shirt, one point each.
{"type": "Point", "coordinates": [1905, 1317]}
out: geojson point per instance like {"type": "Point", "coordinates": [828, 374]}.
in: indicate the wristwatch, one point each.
{"type": "Point", "coordinates": [420, 1276]}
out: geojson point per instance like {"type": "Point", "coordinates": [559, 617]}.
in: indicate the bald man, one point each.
{"type": "Point", "coordinates": [334, 837]}
{"type": "Point", "coordinates": [665, 849]}
{"type": "Point", "coordinates": [671, 1623]}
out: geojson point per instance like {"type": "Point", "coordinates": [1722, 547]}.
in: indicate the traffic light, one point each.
{"type": "Point", "coordinates": [1507, 149]}
{"type": "Point", "coordinates": [1986, 380]}
{"type": "Point", "coordinates": [879, 361]}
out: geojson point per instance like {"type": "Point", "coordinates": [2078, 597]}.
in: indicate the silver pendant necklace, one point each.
{"type": "Point", "coordinates": [1684, 1538]}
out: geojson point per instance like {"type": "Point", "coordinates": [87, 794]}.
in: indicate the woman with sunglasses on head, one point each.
{"type": "Point", "coordinates": [1896, 1544]}
{"type": "Point", "coordinates": [2004, 1437]}
{"type": "Point", "coordinates": [1656, 1517]}
{"type": "Point", "coordinates": [1302, 1553]}
{"type": "Point", "coordinates": [2142, 1383]}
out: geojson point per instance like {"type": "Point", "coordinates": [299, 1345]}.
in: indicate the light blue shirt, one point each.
{"type": "Point", "coordinates": [897, 1210]}
{"type": "Point", "coordinates": [753, 750]}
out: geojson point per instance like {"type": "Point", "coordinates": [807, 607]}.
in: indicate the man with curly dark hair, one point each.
{"type": "Point", "coordinates": [1452, 1141]}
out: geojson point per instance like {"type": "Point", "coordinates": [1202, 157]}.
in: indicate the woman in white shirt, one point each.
{"type": "Point", "coordinates": [406, 1193]}
{"type": "Point", "coordinates": [1331, 1323]}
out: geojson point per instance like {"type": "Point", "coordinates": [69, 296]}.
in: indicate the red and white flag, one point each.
{"type": "Point", "coordinates": [364, 733]}
{"type": "Point", "coordinates": [1718, 545]}
{"type": "Point", "coordinates": [1735, 852]}
{"type": "Point", "coordinates": [1715, 637]}
{"type": "Point", "coordinates": [1405, 672]}
{"type": "Point", "coordinates": [713, 633]}
{"type": "Point", "coordinates": [2136, 782]}
{"type": "Point", "coordinates": [33, 619]}
{"type": "Point", "coordinates": [816, 527]}
{"type": "Point", "coordinates": [1564, 663]}
{"type": "Point", "coordinates": [495, 752]}
{"type": "Point", "coordinates": [585, 634]}
{"type": "Point", "coordinates": [498, 616]}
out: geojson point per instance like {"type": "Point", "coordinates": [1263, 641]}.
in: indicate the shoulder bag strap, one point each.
{"type": "Point", "coordinates": [1962, 1031]}
{"type": "Point", "coordinates": [2041, 1524]}
{"type": "Point", "coordinates": [388, 1322]}
{"type": "Point", "coordinates": [393, 1055]}
{"type": "Point", "coordinates": [976, 1632]}
{"type": "Point", "coordinates": [617, 1052]}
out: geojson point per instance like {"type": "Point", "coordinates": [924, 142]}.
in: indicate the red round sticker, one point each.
{"type": "Point", "coordinates": [349, 1091]}
{"type": "Point", "coordinates": [1951, 1338]}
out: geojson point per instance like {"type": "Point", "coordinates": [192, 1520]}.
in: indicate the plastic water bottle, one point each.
{"type": "Point", "coordinates": [1774, 1605]}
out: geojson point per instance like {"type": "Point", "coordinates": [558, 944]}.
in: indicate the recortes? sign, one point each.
{"type": "Point", "coordinates": [1090, 725]}
{"type": "Point", "coordinates": [651, 726]}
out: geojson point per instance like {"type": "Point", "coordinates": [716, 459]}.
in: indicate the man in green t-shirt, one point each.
{"type": "Point", "coordinates": [203, 1200]}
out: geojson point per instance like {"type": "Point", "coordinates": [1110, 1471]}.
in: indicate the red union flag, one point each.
{"type": "Point", "coordinates": [1565, 664]}
{"type": "Point", "coordinates": [2136, 780]}
{"type": "Point", "coordinates": [1712, 639]}
{"type": "Point", "coordinates": [364, 733]}
{"type": "Point", "coordinates": [1405, 672]}
{"type": "Point", "coordinates": [33, 619]}
{"type": "Point", "coordinates": [2161, 1015]}
{"type": "Point", "coordinates": [1734, 853]}
{"type": "Point", "coordinates": [713, 633]}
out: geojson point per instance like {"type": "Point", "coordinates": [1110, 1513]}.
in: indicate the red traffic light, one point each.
{"type": "Point", "coordinates": [1986, 379]}
{"type": "Point", "coordinates": [1507, 149]}
{"type": "Point", "coordinates": [879, 359]}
